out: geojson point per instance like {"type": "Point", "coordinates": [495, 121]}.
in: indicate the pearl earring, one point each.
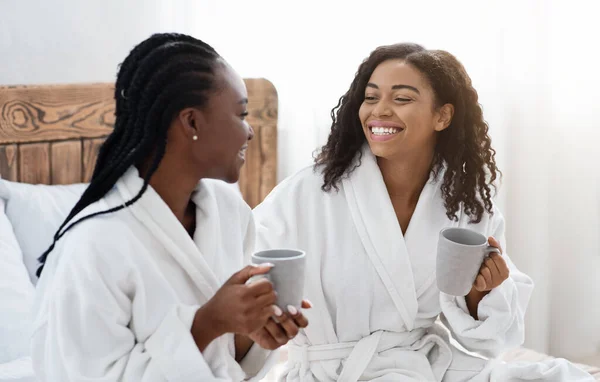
{"type": "Point", "coordinates": [195, 137]}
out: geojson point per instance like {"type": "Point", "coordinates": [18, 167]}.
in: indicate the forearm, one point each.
{"type": "Point", "coordinates": [242, 346]}
{"type": "Point", "coordinates": [204, 329]}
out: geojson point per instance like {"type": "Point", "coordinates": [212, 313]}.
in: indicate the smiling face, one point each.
{"type": "Point", "coordinates": [399, 114]}
{"type": "Point", "coordinates": [211, 141]}
{"type": "Point", "coordinates": [228, 133]}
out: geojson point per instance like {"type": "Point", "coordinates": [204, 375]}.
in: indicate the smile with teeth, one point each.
{"type": "Point", "coordinates": [385, 130]}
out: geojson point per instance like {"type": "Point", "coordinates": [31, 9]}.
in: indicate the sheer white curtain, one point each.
{"type": "Point", "coordinates": [534, 64]}
{"type": "Point", "coordinates": [550, 85]}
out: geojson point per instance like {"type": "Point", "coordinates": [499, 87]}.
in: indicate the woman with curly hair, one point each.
{"type": "Point", "coordinates": [408, 155]}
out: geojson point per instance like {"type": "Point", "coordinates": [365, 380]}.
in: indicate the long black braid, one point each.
{"type": "Point", "coordinates": [159, 77]}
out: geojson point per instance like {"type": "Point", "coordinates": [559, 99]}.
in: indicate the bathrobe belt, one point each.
{"type": "Point", "coordinates": [358, 354]}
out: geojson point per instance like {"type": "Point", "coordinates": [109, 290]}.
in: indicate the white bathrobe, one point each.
{"type": "Point", "coordinates": [374, 289]}
{"type": "Point", "coordinates": [118, 295]}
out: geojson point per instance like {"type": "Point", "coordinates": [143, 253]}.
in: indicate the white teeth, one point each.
{"type": "Point", "coordinates": [384, 130]}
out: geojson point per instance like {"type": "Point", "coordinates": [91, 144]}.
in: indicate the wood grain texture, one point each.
{"type": "Point", "coordinates": [259, 175]}
{"type": "Point", "coordinates": [8, 162]}
{"type": "Point", "coordinates": [34, 163]}
{"type": "Point", "coordinates": [90, 153]}
{"type": "Point", "coordinates": [33, 117]}
{"type": "Point", "coordinates": [55, 112]}
{"type": "Point", "coordinates": [66, 162]}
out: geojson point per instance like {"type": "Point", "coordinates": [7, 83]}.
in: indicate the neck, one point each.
{"type": "Point", "coordinates": [405, 177]}
{"type": "Point", "coordinates": [174, 189]}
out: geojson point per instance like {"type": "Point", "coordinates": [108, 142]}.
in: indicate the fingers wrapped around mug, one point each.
{"type": "Point", "coordinates": [296, 315]}
{"type": "Point", "coordinates": [492, 273]}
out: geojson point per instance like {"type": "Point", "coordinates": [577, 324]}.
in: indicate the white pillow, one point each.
{"type": "Point", "coordinates": [16, 295]}
{"type": "Point", "coordinates": [36, 212]}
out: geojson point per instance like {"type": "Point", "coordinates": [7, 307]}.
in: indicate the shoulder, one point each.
{"type": "Point", "coordinates": [93, 260]}
{"type": "Point", "coordinates": [309, 176]}
{"type": "Point", "coordinates": [496, 220]}
{"type": "Point", "coordinates": [490, 221]}
{"type": "Point", "coordinates": [490, 224]}
{"type": "Point", "coordinates": [304, 183]}
{"type": "Point", "coordinates": [98, 243]}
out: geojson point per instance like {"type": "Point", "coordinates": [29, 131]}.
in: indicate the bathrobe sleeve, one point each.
{"type": "Point", "coordinates": [86, 333]}
{"type": "Point", "coordinates": [501, 312]}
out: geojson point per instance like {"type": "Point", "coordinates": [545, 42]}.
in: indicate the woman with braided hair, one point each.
{"type": "Point", "coordinates": [408, 155]}
{"type": "Point", "coordinates": [144, 280]}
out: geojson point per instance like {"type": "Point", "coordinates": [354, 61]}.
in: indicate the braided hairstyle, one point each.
{"type": "Point", "coordinates": [463, 149]}
{"type": "Point", "coordinates": [161, 76]}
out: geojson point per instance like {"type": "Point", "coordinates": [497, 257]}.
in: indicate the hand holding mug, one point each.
{"type": "Point", "coordinates": [465, 260]}
{"type": "Point", "coordinates": [281, 328]}
{"type": "Point", "coordinates": [287, 277]}
{"type": "Point", "coordinates": [493, 271]}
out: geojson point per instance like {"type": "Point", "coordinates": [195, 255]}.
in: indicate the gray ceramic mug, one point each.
{"type": "Point", "coordinates": [287, 274]}
{"type": "Point", "coordinates": [460, 253]}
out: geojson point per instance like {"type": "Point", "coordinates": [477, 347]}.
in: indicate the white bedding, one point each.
{"type": "Point", "coordinates": [19, 370]}
{"type": "Point", "coordinates": [527, 355]}
{"type": "Point", "coordinates": [22, 371]}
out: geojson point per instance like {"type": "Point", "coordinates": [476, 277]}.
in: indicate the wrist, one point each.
{"type": "Point", "coordinates": [243, 343]}
{"type": "Point", "coordinates": [472, 299]}
{"type": "Point", "coordinates": [206, 327]}
{"type": "Point", "coordinates": [475, 295]}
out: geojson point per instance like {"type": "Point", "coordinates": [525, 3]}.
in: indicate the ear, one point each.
{"type": "Point", "coordinates": [444, 117]}
{"type": "Point", "coordinates": [192, 121]}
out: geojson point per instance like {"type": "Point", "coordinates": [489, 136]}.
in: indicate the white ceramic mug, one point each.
{"type": "Point", "coordinates": [287, 274]}
{"type": "Point", "coordinates": [460, 253]}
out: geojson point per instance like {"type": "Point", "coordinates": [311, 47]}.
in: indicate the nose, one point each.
{"type": "Point", "coordinates": [382, 110]}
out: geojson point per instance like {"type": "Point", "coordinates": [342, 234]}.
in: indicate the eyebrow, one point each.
{"type": "Point", "coordinates": [396, 87]}
{"type": "Point", "coordinates": [243, 101]}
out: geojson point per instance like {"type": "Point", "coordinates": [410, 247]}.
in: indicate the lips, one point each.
{"type": "Point", "coordinates": [378, 123]}
{"type": "Point", "coordinates": [384, 130]}
{"type": "Point", "coordinates": [242, 152]}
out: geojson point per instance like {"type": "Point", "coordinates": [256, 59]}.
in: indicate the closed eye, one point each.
{"type": "Point", "coordinates": [403, 99]}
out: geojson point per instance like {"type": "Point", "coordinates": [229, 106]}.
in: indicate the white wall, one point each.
{"type": "Point", "coordinates": [534, 64]}
{"type": "Point", "coordinates": [70, 41]}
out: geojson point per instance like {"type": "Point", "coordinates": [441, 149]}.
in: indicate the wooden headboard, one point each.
{"type": "Point", "coordinates": [51, 134]}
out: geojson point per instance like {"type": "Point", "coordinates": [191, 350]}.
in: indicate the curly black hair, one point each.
{"type": "Point", "coordinates": [463, 149]}
{"type": "Point", "coordinates": [162, 75]}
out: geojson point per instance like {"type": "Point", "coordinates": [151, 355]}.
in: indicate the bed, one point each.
{"type": "Point", "coordinates": [50, 134]}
